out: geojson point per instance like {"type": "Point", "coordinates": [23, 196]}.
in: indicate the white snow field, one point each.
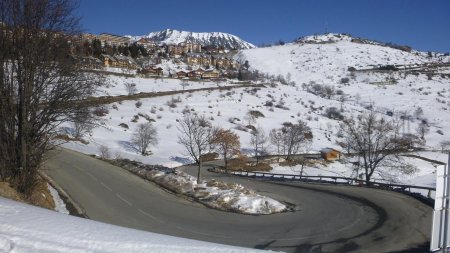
{"type": "Point", "coordinates": [28, 229]}
{"type": "Point", "coordinates": [116, 84]}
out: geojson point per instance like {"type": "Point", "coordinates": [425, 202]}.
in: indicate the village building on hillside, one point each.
{"type": "Point", "coordinates": [107, 60]}
{"type": "Point", "coordinates": [175, 50]}
{"type": "Point", "coordinates": [113, 40]}
{"type": "Point", "coordinates": [184, 48]}
{"type": "Point", "coordinates": [196, 74]}
{"type": "Point", "coordinates": [198, 59]}
{"type": "Point", "coordinates": [192, 48]}
{"type": "Point", "coordinates": [330, 154]}
{"type": "Point", "coordinates": [210, 74]}
{"type": "Point", "coordinates": [213, 50]}
{"type": "Point", "coordinates": [152, 71]}
{"type": "Point", "coordinates": [149, 45]}
{"type": "Point", "coordinates": [181, 74]}
{"type": "Point", "coordinates": [221, 62]}
{"type": "Point", "coordinates": [88, 37]}
{"type": "Point", "coordinates": [204, 60]}
{"type": "Point", "coordinates": [118, 61]}
{"type": "Point", "coordinates": [125, 62]}
{"type": "Point", "coordinates": [87, 62]}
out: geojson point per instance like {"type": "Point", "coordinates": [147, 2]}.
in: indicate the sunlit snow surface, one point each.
{"type": "Point", "coordinates": [24, 228]}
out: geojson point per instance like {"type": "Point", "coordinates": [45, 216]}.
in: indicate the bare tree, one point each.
{"type": "Point", "coordinates": [195, 136]}
{"type": "Point", "coordinates": [378, 144]}
{"type": "Point", "coordinates": [250, 118]}
{"type": "Point", "coordinates": [423, 129]}
{"type": "Point", "coordinates": [184, 84]}
{"type": "Point", "coordinates": [276, 139]}
{"type": "Point", "coordinates": [227, 143]}
{"type": "Point", "coordinates": [41, 86]}
{"type": "Point", "coordinates": [104, 152]}
{"type": "Point", "coordinates": [144, 136]}
{"type": "Point", "coordinates": [83, 123]}
{"type": "Point", "coordinates": [130, 88]}
{"type": "Point", "coordinates": [258, 140]}
{"type": "Point", "coordinates": [295, 138]}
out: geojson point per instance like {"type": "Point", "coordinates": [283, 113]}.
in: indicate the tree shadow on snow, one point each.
{"type": "Point", "coordinates": [128, 146]}
{"type": "Point", "coordinates": [182, 160]}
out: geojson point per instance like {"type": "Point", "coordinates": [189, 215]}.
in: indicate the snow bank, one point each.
{"type": "Point", "coordinates": [60, 206]}
{"type": "Point", "coordinates": [25, 228]}
{"type": "Point", "coordinates": [215, 194]}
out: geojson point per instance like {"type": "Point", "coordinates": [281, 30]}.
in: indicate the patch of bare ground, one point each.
{"type": "Point", "coordinates": [41, 195]}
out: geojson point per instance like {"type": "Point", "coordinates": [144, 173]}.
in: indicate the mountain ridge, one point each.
{"type": "Point", "coordinates": [217, 39]}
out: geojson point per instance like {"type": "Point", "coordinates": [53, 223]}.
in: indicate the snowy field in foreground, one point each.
{"type": "Point", "coordinates": [25, 228]}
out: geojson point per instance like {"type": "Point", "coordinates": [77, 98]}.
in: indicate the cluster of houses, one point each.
{"type": "Point", "coordinates": [205, 59]}
{"type": "Point", "coordinates": [198, 74]}
{"type": "Point", "coordinates": [119, 61]}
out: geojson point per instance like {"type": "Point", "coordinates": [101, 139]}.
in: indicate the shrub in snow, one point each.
{"type": "Point", "coordinates": [333, 113]}
{"type": "Point", "coordinates": [123, 125]}
{"type": "Point", "coordinates": [145, 116]}
{"type": "Point", "coordinates": [256, 114]}
{"type": "Point", "coordinates": [345, 80]}
{"type": "Point", "coordinates": [100, 111]}
{"type": "Point", "coordinates": [138, 104]}
{"type": "Point", "coordinates": [135, 119]}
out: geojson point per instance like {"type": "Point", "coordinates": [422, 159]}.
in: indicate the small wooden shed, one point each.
{"type": "Point", "coordinates": [330, 154]}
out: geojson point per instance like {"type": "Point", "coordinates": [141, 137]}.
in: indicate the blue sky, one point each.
{"type": "Point", "coordinates": [424, 25]}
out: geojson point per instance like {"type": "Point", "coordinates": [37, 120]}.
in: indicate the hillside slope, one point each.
{"type": "Point", "coordinates": [419, 82]}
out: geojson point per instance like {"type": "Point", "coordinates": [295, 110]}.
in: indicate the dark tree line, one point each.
{"type": "Point", "coordinates": [39, 84]}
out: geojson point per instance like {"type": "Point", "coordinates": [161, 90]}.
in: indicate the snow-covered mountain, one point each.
{"type": "Point", "coordinates": [169, 36]}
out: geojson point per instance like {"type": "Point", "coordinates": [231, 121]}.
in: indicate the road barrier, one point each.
{"type": "Point", "coordinates": [421, 192]}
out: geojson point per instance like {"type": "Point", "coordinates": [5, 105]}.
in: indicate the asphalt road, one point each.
{"type": "Point", "coordinates": [326, 218]}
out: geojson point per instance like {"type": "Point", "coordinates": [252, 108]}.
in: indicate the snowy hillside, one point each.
{"type": "Point", "coordinates": [218, 39]}
{"type": "Point", "coordinates": [400, 92]}
{"type": "Point", "coordinates": [327, 60]}
{"type": "Point", "coordinates": [411, 95]}
{"type": "Point", "coordinates": [29, 229]}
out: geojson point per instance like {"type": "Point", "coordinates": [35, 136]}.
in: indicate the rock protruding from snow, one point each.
{"type": "Point", "coordinates": [217, 39]}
